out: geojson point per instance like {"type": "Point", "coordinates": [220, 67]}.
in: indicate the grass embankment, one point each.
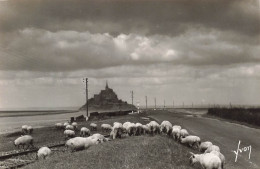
{"type": "Point", "coordinates": [244, 115]}
{"type": "Point", "coordinates": [132, 152]}
{"type": "Point", "coordinates": [46, 135]}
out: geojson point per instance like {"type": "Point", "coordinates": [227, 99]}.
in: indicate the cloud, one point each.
{"type": "Point", "coordinates": [115, 17]}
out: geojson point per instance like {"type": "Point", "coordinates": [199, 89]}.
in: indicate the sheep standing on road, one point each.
{"type": "Point", "coordinates": [207, 161]}
{"type": "Point", "coordinates": [93, 127]}
{"type": "Point", "coordinates": [25, 140]}
{"type": "Point", "coordinates": [191, 141]}
{"type": "Point", "coordinates": [69, 134]}
{"type": "Point", "coordinates": [106, 127]}
{"type": "Point", "coordinates": [43, 152]}
{"type": "Point", "coordinates": [166, 127]}
{"type": "Point", "coordinates": [204, 146]}
{"type": "Point", "coordinates": [84, 131]}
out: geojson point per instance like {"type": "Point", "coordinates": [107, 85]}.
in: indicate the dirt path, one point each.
{"type": "Point", "coordinates": [224, 134]}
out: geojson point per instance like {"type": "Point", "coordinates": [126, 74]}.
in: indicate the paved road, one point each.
{"type": "Point", "coordinates": [222, 133]}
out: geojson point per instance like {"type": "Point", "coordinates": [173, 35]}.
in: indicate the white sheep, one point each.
{"type": "Point", "coordinates": [204, 146]}
{"type": "Point", "coordinates": [80, 143]}
{"type": "Point", "coordinates": [166, 127]}
{"type": "Point", "coordinates": [84, 131]}
{"type": "Point", "coordinates": [131, 129]}
{"type": "Point", "coordinates": [59, 125]}
{"type": "Point", "coordinates": [93, 126]}
{"type": "Point", "coordinates": [221, 157]}
{"type": "Point", "coordinates": [212, 148]}
{"type": "Point", "coordinates": [24, 140]}
{"type": "Point", "coordinates": [176, 126]}
{"type": "Point", "coordinates": [75, 125]}
{"type": "Point", "coordinates": [191, 141]}
{"type": "Point", "coordinates": [69, 127]}
{"type": "Point", "coordinates": [145, 129]}
{"type": "Point", "coordinates": [125, 126]}
{"type": "Point", "coordinates": [99, 137]}
{"type": "Point", "coordinates": [106, 127]}
{"type": "Point", "coordinates": [139, 129]}
{"type": "Point", "coordinates": [29, 129]}
{"type": "Point", "coordinates": [176, 133]}
{"type": "Point", "coordinates": [117, 130]}
{"type": "Point", "coordinates": [154, 127]}
{"type": "Point", "coordinates": [65, 124]}
{"type": "Point", "coordinates": [184, 133]}
{"type": "Point", "coordinates": [207, 161]}
{"type": "Point", "coordinates": [69, 134]}
{"type": "Point", "coordinates": [24, 129]}
{"type": "Point", "coordinates": [43, 152]}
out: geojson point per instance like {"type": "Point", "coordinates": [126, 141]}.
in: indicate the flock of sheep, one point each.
{"type": "Point", "coordinates": [211, 158]}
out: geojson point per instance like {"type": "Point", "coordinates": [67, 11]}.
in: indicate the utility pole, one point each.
{"type": "Point", "coordinates": [173, 103]}
{"type": "Point", "coordinates": [155, 103]}
{"type": "Point", "coordinates": [132, 96]}
{"type": "Point", "coordinates": [146, 102]}
{"type": "Point", "coordinates": [86, 80]}
{"type": "Point", "coordinates": [183, 104]}
{"type": "Point", "coordinates": [163, 104]}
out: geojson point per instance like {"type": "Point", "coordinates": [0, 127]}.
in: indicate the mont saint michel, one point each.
{"type": "Point", "coordinates": [107, 100]}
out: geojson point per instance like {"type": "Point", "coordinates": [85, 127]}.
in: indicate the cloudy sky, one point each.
{"type": "Point", "coordinates": [200, 51]}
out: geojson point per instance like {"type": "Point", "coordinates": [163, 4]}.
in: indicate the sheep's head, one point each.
{"type": "Point", "coordinates": [194, 158]}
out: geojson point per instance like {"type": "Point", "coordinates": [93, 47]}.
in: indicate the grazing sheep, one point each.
{"type": "Point", "coordinates": [207, 161]}
{"type": "Point", "coordinates": [75, 125]}
{"type": "Point", "coordinates": [65, 124]}
{"type": "Point", "coordinates": [43, 152]}
{"type": "Point", "coordinates": [84, 131]}
{"type": "Point", "coordinates": [191, 141]}
{"type": "Point", "coordinates": [204, 146]}
{"type": "Point", "coordinates": [106, 127]}
{"type": "Point", "coordinates": [139, 129]}
{"type": "Point", "coordinates": [125, 126]}
{"type": "Point", "coordinates": [59, 126]}
{"type": "Point", "coordinates": [80, 143]}
{"type": "Point", "coordinates": [131, 129]}
{"type": "Point", "coordinates": [166, 127]}
{"type": "Point", "coordinates": [176, 126]}
{"type": "Point", "coordinates": [24, 140]}
{"type": "Point", "coordinates": [100, 137]}
{"type": "Point", "coordinates": [69, 127]}
{"type": "Point", "coordinates": [154, 127]}
{"type": "Point", "coordinates": [24, 129]}
{"type": "Point", "coordinates": [176, 133]}
{"type": "Point", "coordinates": [93, 127]}
{"type": "Point", "coordinates": [29, 129]}
{"type": "Point", "coordinates": [69, 134]}
{"type": "Point", "coordinates": [212, 148]}
{"type": "Point", "coordinates": [145, 129]}
{"type": "Point", "coordinates": [117, 130]}
{"type": "Point", "coordinates": [221, 157]}
{"type": "Point", "coordinates": [184, 133]}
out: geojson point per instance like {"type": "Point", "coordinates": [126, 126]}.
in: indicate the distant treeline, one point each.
{"type": "Point", "coordinates": [248, 115]}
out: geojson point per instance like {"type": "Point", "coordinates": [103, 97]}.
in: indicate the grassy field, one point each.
{"type": "Point", "coordinates": [129, 152]}
{"type": "Point", "coordinates": [132, 152]}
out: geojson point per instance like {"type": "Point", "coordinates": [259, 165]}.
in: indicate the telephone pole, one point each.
{"type": "Point", "coordinates": [146, 102]}
{"type": "Point", "coordinates": [132, 96]}
{"type": "Point", "coordinates": [155, 103]}
{"type": "Point", "coordinates": [163, 104]}
{"type": "Point", "coordinates": [173, 103]}
{"type": "Point", "coordinates": [86, 80]}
